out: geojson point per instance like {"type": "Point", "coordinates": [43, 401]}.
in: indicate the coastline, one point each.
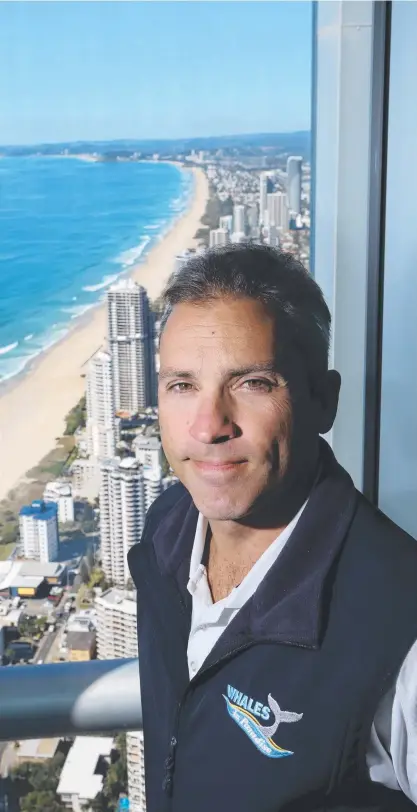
{"type": "Point", "coordinates": [33, 406]}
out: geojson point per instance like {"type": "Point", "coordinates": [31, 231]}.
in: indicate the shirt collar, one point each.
{"type": "Point", "coordinates": [259, 569]}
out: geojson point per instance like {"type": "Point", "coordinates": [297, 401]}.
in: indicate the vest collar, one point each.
{"type": "Point", "coordinates": [290, 604]}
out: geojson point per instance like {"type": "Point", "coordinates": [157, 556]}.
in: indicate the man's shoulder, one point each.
{"type": "Point", "coordinates": [385, 545]}
{"type": "Point", "coordinates": [163, 505]}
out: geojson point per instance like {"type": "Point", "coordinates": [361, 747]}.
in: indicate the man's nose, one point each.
{"type": "Point", "coordinates": [212, 422]}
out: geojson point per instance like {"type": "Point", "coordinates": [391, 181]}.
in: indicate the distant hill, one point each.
{"type": "Point", "coordinates": [296, 143]}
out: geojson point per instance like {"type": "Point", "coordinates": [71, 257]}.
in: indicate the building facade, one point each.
{"type": "Point", "coordinates": [277, 210]}
{"type": "Point", "coordinates": [294, 175]}
{"type": "Point", "coordinates": [39, 537]}
{"type": "Point", "coordinates": [122, 514]}
{"type": "Point", "coordinates": [61, 494]}
{"type": "Point", "coordinates": [136, 771]}
{"type": "Point", "coordinates": [265, 188]}
{"type": "Point", "coordinates": [116, 624]}
{"type": "Point", "coordinates": [218, 236]}
{"type": "Point", "coordinates": [131, 327]}
{"type": "Point", "coordinates": [148, 451]}
{"type": "Point", "coordinates": [101, 427]}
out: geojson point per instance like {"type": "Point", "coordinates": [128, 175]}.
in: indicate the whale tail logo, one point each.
{"type": "Point", "coordinates": [280, 716]}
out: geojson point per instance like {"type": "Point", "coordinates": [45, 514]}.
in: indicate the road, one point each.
{"type": "Point", "coordinates": [45, 646]}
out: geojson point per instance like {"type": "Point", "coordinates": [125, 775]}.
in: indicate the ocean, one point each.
{"type": "Point", "coordinates": [68, 229]}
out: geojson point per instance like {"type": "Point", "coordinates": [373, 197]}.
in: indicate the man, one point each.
{"type": "Point", "coordinates": [277, 609]}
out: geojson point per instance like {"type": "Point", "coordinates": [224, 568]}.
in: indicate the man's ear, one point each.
{"type": "Point", "coordinates": [328, 396]}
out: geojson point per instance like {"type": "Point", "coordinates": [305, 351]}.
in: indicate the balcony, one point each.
{"type": "Point", "coordinates": [84, 698]}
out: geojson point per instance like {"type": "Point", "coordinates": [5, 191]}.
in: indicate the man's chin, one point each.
{"type": "Point", "coordinates": [220, 506]}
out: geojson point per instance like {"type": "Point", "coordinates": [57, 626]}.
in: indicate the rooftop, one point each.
{"type": "Point", "coordinates": [78, 773]}
{"type": "Point", "coordinates": [37, 748]}
{"type": "Point", "coordinates": [118, 599]}
{"type": "Point", "coordinates": [80, 641]}
{"type": "Point", "coordinates": [39, 510]}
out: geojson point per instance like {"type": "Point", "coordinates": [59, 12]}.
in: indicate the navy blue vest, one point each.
{"type": "Point", "coordinates": [278, 718]}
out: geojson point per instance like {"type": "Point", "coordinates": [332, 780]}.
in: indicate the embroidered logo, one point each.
{"type": "Point", "coordinates": [244, 710]}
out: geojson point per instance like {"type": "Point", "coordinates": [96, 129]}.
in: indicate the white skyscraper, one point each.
{"type": "Point", "coordinates": [239, 219]}
{"type": "Point", "coordinates": [131, 343]}
{"type": "Point", "coordinates": [265, 188]}
{"type": "Point", "coordinates": [116, 624]}
{"type": "Point", "coordinates": [117, 637]}
{"type": "Point", "coordinates": [294, 172]}
{"type": "Point", "coordinates": [122, 514]}
{"type": "Point", "coordinates": [152, 485]}
{"type": "Point", "coordinates": [135, 757]}
{"type": "Point", "coordinates": [148, 451]}
{"type": "Point", "coordinates": [277, 210]}
{"type": "Point", "coordinates": [101, 425]}
{"type": "Point", "coordinates": [39, 537]}
{"type": "Point", "coordinates": [218, 236]}
{"type": "Point", "coordinates": [61, 494]}
{"type": "Point", "coordinates": [226, 222]}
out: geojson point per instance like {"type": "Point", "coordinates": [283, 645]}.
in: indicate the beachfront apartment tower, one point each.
{"type": "Point", "coordinates": [135, 757]}
{"type": "Point", "coordinates": [265, 188]}
{"type": "Point", "coordinates": [39, 537]}
{"type": "Point", "coordinates": [61, 494]}
{"type": "Point", "coordinates": [239, 219]}
{"type": "Point", "coordinates": [218, 236]}
{"type": "Point", "coordinates": [131, 328]}
{"type": "Point", "coordinates": [117, 638]}
{"type": "Point", "coordinates": [122, 514]}
{"type": "Point", "coordinates": [226, 222]}
{"type": "Point", "coordinates": [116, 624]}
{"type": "Point", "coordinates": [294, 173]}
{"type": "Point", "coordinates": [101, 422]}
{"type": "Point", "coordinates": [277, 210]}
{"type": "Point", "coordinates": [148, 451]}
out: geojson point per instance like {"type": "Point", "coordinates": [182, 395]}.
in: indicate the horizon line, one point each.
{"type": "Point", "coordinates": [151, 140]}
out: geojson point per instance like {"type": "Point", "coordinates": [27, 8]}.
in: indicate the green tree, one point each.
{"type": "Point", "coordinates": [76, 418]}
{"type": "Point", "coordinates": [44, 801]}
{"type": "Point", "coordinates": [9, 533]}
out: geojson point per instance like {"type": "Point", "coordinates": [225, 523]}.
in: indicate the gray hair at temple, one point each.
{"type": "Point", "coordinates": [272, 277]}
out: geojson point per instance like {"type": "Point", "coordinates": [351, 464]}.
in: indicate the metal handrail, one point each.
{"type": "Point", "coordinates": [42, 701]}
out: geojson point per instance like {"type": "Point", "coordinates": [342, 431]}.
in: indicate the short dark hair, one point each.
{"type": "Point", "coordinates": [265, 274]}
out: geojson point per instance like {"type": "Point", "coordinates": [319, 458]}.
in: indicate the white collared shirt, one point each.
{"type": "Point", "coordinates": [392, 751]}
{"type": "Point", "coordinates": [209, 619]}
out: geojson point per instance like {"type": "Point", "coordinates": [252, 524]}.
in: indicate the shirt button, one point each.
{"type": "Point", "coordinates": [193, 666]}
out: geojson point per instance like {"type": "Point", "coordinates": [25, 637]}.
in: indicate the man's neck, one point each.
{"type": "Point", "coordinates": [232, 557]}
{"type": "Point", "coordinates": [235, 547]}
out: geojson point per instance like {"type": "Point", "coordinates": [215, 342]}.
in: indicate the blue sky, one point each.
{"type": "Point", "coordinates": [104, 70]}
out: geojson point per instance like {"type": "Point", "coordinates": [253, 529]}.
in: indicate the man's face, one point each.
{"type": "Point", "coordinates": [230, 406]}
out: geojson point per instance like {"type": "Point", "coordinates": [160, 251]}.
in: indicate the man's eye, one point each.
{"type": "Point", "coordinates": [181, 386]}
{"type": "Point", "coordinates": [261, 384]}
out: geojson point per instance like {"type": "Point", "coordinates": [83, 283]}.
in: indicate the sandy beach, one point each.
{"type": "Point", "coordinates": [33, 409]}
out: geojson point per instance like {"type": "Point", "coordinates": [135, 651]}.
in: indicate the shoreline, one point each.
{"type": "Point", "coordinates": [34, 404]}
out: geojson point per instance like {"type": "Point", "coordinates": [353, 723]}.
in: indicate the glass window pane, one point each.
{"type": "Point", "coordinates": [398, 445]}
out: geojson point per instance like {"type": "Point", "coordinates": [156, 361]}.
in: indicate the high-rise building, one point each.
{"type": "Point", "coordinates": [218, 236]}
{"type": "Point", "coordinates": [131, 343]}
{"type": "Point", "coordinates": [253, 217]}
{"type": "Point", "coordinates": [277, 210]}
{"type": "Point", "coordinates": [101, 424]}
{"type": "Point", "coordinates": [116, 624]}
{"type": "Point", "coordinates": [148, 451]}
{"type": "Point", "coordinates": [38, 525]}
{"type": "Point", "coordinates": [294, 172]}
{"type": "Point", "coordinates": [265, 188]}
{"type": "Point", "coordinates": [135, 757]}
{"type": "Point", "coordinates": [226, 222]}
{"type": "Point", "coordinates": [152, 481]}
{"type": "Point", "coordinates": [239, 219]}
{"type": "Point", "coordinates": [61, 494]}
{"type": "Point", "coordinates": [122, 514]}
{"type": "Point", "coordinates": [272, 236]}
